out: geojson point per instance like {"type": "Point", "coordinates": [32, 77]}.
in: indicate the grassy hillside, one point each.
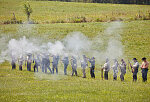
{"type": "Point", "coordinates": [47, 11]}
{"type": "Point", "coordinates": [135, 35]}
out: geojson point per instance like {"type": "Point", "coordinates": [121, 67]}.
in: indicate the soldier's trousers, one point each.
{"type": "Point", "coordinates": [74, 71]}
{"type": "Point", "coordinates": [84, 74]}
{"type": "Point", "coordinates": [20, 67]}
{"type": "Point", "coordinates": [122, 77]}
{"type": "Point", "coordinates": [55, 66]}
{"type": "Point", "coordinates": [134, 76]}
{"type": "Point", "coordinates": [35, 68]}
{"type": "Point", "coordinates": [13, 66]}
{"type": "Point", "coordinates": [65, 69]}
{"type": "Point", "coordinates": [115, 76]}
{"type": "Point", "coordinates": [106, 75]}
{"type": "Point", "coordinates": [47, 66]}
{"type": "Point", "coordinates": [43, 67]}
{"type": "Point", "coordinates": [92, 73]}
{"type": "Point", "coordinates": [28, 66]}
{"type": "Point", "coordinates": [144, 74]}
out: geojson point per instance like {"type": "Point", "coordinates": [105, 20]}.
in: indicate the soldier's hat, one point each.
{"type": "Point", "coordinates": [134, 59]}
{"type": "Point", "coordinates": [144, 58]}
{"type": "Point", "coordinates": [93, 57]}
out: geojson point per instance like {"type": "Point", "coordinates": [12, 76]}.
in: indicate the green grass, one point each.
{"type": "Point", "coordinates": [47, 11]}
{"type": "Point", "coordinates": [25, 86]}
{"type": "Point", "coordinates": [135, 34]}
{"type": "Point", "coordinates": [29, 86]}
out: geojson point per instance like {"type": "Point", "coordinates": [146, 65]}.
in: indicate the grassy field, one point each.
{"type": "Point", "coordinates": [47, 11]}
{"type": "Point", "coordinates": [34, 87]}
{"type": "Point", "coordinates": [27, 86]}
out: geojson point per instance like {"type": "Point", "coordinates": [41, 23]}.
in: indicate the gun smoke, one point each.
{"type": "Point", "coordinates": [106, 45]}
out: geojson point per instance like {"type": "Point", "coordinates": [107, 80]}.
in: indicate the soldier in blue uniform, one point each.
{"type": "Point", "coordinates": [29, 61]}
{"type": "Point", "coordinates": [74, 65]}
{"type": "Point", "coordinates": [115, 69]}
{"type": "Point", "coordinates": [106, 68]}
{"type": "Point", "coordinates": [37, 62]}
{"type": "Point", "coordinates": [65, 62]}
{"type": "Point", "coordinates": [122, 69]}
{"type": "Point", "coordinates": [13, 63]}
{"type": "Point", "coordinates": [84, 64]}
{"type": "Point", "coordinates": [20, 61]}
{"type": "Point", "coordinates": [55, 63]}
{"type": "Point", "coordinates": [92, 61]}
{"type": "Point", "coordinates": [46, 63]}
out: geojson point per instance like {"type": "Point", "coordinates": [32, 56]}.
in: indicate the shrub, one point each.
{"type": "Point", "coordinates": [78, 20]}
{"type": "Point", "coordinates": [13, 22]}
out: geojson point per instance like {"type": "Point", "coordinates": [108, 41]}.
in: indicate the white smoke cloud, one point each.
{"type": "Point", "coordinates": [21, 47]}
{"type": "Point", "coordinates": [106, 45]}
{"type": "Point", "coordinates": [56, 48]}
{"type": "Point", "coordinates": [77, 43]}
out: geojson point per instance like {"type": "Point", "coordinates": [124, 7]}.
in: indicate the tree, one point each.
{"type": "Point", "coordinates": [28, 10]}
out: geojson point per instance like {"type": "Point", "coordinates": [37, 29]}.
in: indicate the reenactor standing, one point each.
{"type": "Point", "coordinates": [84, 64]}
{"type": "Point", "coordinates": [66, 63]}
{"type": "Point", "coordinates": [13, 63]}
{"type": "Point", "coordinates": [74, 65]}
{"type": "Point", "coordinates": [115, 69]}
{"type": "Point", "coordinates": [122, 69]}
{"type": "Point", "coordinates": [45, 63]}
{"type": "Point", "coordinates": [20, 61]}
{"type": "Point", "coordinates": [37, 62]}
{"type": "Point", "coordinates": [85, 59]}
{"type": "Point", "coordinates": [135, 68]}
{"type": "Point", "coordinates": [144, 68]}
{"type": "Point", "coordinates": [106, 68]}
{"type": "Point", "coordinates": [29, 61]}
{"type": "Point", "coordinates": [92, 67]}
{"type": "Point", "coordinates": [55, 63]}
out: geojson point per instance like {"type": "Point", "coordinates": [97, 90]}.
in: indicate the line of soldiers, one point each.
{"type": "Point", "coordinates": [115, 66]}
{"type": "Point", "coordinates": [122, 66]}
{"type": "Point", "coordinates": [44, 64]}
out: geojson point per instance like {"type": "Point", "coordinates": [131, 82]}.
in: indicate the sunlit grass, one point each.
{"type": "Point", "coordinates": [49, 11]}
{"type": "Point", "coordinates": [32, 87]}
{"type": "Point", "coordinates": [26, 86]}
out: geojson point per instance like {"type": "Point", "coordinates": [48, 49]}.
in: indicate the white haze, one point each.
{"type": "Point", "coordinates": [74, 43]}
{"type": "Point", "coordinates": [115, 48]}
{"type": "Point", "coordinates": [109, 43]}
{"type": "Point", "coordinates": [77, 43]}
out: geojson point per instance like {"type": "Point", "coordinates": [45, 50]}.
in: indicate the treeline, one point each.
{"type": "Point", "coordinates": [144, 2]}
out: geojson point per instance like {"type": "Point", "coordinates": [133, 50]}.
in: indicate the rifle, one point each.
{"type": "Point", "coordinates": [128, 65]}
{"type": "Point", "coordinates": [131, 66]}
{"type": "Point", "coordinates": [102, 70]}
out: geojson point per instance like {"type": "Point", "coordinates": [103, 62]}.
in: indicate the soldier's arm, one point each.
{"type": "Point", "coordinates": [136, 65]}
{"type": "Point", "coordinates": [141, 65]}
{"type": "Point", "coordinates": [147, 64]}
